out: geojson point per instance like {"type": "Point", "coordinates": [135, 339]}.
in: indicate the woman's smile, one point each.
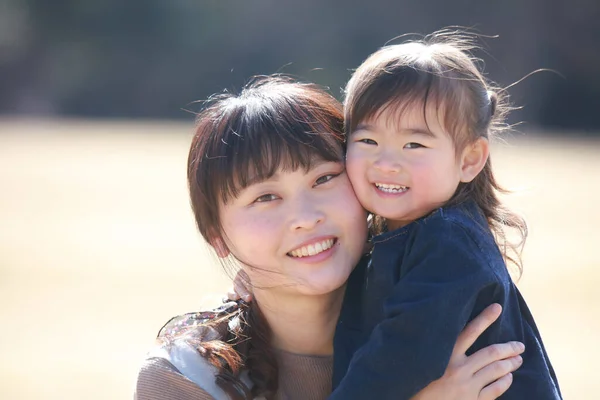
{"type": "Point", "coordinates": [315, 250]}
{"type": "Point", "coordinates": [305, 218]}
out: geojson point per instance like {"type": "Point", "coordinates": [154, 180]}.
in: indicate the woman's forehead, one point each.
{"type": "Point", "coordinates": [255, 174]}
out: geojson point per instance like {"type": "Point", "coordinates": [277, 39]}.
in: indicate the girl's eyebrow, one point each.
{"type": "Point", "coordinates": [410, 131]}
{"type": "Point", "coordinates": [363, 126]}
{"type": "Point", "coordinates": [419, 131]}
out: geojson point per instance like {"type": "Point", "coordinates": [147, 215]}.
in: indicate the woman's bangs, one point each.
{"type": "Point", "coordinates": [256, 145]}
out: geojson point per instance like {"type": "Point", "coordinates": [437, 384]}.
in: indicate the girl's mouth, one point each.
{"type": "Point", "coordinates": [389, 188]}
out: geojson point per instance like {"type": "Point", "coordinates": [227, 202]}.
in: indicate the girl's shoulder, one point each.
{"type": "Point", "coordinates": [179, 359]}
{"type": "Point", "coordinates": [463, 218]}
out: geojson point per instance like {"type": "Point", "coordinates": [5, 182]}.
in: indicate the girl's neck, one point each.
{"type": "Point", "coordinates": [301, 324]}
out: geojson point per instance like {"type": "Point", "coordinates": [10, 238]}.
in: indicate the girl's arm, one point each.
{"type": "Point", "coordinates": [419, 302]}
{"type": "Point", "coordinates": [242, 288]}
{"type": "Point", "coordinates": [484, 375]}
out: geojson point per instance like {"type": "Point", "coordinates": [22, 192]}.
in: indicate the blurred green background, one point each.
{"type": "Point", "coordinates": [151, 58]}
{"type": "Point", "coordinates": [98, 246]}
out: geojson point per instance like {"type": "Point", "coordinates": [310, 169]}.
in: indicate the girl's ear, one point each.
{"type": "Point", "coordinates": [473, 159]}
{"type": "Point", "coordinates": [220, 247]}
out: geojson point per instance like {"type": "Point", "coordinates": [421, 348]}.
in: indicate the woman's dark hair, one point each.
{"type": "Point", "coordinates": [273, 123]}
{"type": "Point", "coordinates": [440, 71]}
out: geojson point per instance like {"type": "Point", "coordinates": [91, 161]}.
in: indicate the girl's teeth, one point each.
{"type": "Point", "coordinates": [312, 249]}
{"type": "Point", "coordinates": [384, 187]}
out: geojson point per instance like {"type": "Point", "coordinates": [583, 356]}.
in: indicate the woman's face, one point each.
{"type": "Point", "coordinates": [298, 232]}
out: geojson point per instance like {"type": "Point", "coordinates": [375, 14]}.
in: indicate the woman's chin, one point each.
{"type": "Point", "coordinates": [329, 285]}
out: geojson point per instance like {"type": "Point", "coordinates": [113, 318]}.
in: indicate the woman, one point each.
{"type": "Point", "coordinates": [270, 195]}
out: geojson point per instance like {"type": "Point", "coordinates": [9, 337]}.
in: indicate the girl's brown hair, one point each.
{"type": "Point", "coordinates": [440, 70]}
{"type": "Point", "coordinates": [273, 123]}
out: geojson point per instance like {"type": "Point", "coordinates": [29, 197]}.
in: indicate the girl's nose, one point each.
{"type": "Point", "coordinates": [388, 163]}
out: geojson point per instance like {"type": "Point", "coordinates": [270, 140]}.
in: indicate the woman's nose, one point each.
{"type": "Point", "coordinates": [306, 214]}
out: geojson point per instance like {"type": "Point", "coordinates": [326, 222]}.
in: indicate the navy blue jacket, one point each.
{"type": "Point", "coordinates": [403, 310]}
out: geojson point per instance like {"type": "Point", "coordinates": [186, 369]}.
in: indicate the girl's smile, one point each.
{"type": "Point", "coordinates": [391, 188]}
{"type": "Point", "coordinates": [386, 190]}
{"type": "Point", "coordinates": [402, 169]}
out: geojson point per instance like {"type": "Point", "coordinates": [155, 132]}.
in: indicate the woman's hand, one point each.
{"type": "Point", "coordinates": [484, 375]}
{"type": "Point", "coordinates": [241, 288]}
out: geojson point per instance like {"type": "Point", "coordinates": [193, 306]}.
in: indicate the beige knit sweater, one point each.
{"type": "Point", "coordinates": [300, 377]}
{"type": "Point", "coordinates": [175, 370]}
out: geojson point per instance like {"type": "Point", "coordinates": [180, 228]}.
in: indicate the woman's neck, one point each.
{"type": "Point", "coordinates": [301, 324]}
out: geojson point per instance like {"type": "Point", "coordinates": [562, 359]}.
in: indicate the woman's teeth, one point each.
{"type": "Point", "coordinates": [384, 187]}
{"type": "Point", "coordinates": [312, 249]}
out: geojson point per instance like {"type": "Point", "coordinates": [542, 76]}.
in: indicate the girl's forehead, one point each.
{"type": "Point", "coordinates": [418, 116]}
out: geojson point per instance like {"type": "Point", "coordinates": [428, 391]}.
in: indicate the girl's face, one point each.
{"type": "Point", "coordinates": [402, 169]}
{"type": "Point", "coordinates": [297, 232]}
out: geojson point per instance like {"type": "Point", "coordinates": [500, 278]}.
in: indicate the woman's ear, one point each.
{"type": "Point", "coordinates": [220, 247]}
{"type": "Point", "coordinates": [473, 159]}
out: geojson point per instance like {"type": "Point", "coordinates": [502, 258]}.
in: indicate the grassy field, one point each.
{"type": "Point", "coordinates": [98, 248]}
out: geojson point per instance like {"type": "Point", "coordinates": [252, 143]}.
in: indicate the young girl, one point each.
{"type": "Point", "coordinates": [270, 194]}
{"type": "Point", "coordinates": [419, 116]}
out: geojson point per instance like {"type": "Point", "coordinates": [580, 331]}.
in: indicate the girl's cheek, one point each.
{"type": "Point", "coordinates": [347, 196]}
{"type": "Point", "coordinates": [352, 168]}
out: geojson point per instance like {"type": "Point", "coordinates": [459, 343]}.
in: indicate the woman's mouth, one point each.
{"type": "Point", "coordinates": [313, 249]}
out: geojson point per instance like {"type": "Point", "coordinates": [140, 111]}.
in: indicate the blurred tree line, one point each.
{"type": "Point", "coordinates": [153, 58]}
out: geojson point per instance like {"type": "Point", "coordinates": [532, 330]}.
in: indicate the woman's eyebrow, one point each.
{"type": "Point", "coordinates": [317, 161]}
{"type": "Point", "coordinates": [255, 179]}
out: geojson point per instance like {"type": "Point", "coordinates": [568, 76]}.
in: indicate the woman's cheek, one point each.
{"type": "Point", "coordinates": [243, 230]}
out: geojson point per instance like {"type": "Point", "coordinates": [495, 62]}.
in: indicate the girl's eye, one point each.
{"type": "Point", "coordinates": [368, 141]}
{"type": "Point", "coordinates": [265, 198]}
{"type": "Point", "coordinates": [413, 145]}
{"type": "Point", "coordinates": [325, 178]}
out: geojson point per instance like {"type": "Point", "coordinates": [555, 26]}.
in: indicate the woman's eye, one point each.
{"type": "Point", "coordinates": [413, 145]}
{"type": "Point", "coordinates": [325, 178]}
{"type": "Point", "coordinates": [265, 198]}
{"type": "Point", "coordinates": [368, 141]}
